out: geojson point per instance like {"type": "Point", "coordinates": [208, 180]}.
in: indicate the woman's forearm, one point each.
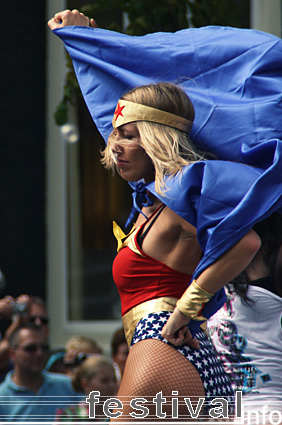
{"type": "Point", "coordinates": [230, 264]}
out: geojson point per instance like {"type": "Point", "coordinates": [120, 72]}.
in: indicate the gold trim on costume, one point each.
{"type": "Point", "coordinates": [127, 112]}
{"type": "Point", "coordinates": [126, 240]}
{"type": "Point", "coordinates": [132, 317]}
{"type": "Point", "coordinates": [193, 300]}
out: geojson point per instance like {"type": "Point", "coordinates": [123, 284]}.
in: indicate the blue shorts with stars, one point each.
{"type": "Point", "coordinates": [216, 382]}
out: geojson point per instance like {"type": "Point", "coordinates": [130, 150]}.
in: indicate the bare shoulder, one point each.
{"type": "Point", "coordinates": [173, 241]}
{"type": "Point", "coordinates": [184, 228]}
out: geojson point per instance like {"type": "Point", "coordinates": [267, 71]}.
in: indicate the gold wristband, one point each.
{"type": "Point", "coordinates": [193, 300]}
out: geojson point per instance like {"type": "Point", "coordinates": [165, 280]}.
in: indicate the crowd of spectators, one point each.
{"type": "Point", "coordinates": [30, 370]}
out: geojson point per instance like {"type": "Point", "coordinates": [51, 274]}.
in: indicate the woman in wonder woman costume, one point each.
{"type": "Point", "coordinates": [155, 262]}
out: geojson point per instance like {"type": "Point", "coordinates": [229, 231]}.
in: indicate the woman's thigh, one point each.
{"type": "Point", "coordinates": [158, 373]}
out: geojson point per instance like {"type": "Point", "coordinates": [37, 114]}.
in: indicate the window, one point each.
{"type": "Point", "coordinates": [94, 199]}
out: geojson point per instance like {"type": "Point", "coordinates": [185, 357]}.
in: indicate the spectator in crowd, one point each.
{"type": "Point", "coordinates": [29, 381]}
{"type": "Point", "coordinates": [78, 347]}
{"type": "Point", "coordinates": [96, 373]}
{"type": "Point", "coordinates": [119, 351]}
{"type": "Point", "coordinates": [20, 310]}
{"type": "Point", "coordinates": [56, 362]}
{"type": "Point", "coordinates": [247, 330]}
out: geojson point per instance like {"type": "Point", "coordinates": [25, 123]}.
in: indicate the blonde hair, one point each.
{"type": "Point", "coordinates": [169, 149]}
{"type": "Point", "coordinates": [87, 369]}
{"type": "Point", "coordinates": [82, 344]}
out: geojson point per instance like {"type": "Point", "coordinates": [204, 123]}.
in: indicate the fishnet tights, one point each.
{"type": "Point", "coordinates": [153, 366]}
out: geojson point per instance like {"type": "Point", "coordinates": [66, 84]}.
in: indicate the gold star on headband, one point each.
{"type": "Point", "coordinates": [127, 112]}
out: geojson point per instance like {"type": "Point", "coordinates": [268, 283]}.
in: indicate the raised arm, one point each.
{"type": "Point", "coordinates": [229, 265]}
{"type": "Point", "coordinates": [7, 306]}
{"type": "Point", "coordinates": [70, 17]}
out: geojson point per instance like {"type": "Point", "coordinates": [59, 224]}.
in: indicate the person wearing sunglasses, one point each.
{"type": "Point", "coordinates": [37, 313]}
{"type": "Point", "coordinates": [24, 309]}
{"type": "Point", "coordinates": [29, 351]}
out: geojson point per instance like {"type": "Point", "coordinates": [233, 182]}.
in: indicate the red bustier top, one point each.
{"type": "Point", "coordinates": [140, 278]}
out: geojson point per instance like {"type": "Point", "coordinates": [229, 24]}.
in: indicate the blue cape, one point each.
{"type": "Point", "coordinates": [234, 79]}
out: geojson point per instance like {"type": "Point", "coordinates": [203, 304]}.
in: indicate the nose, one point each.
{"type": "Point", "coordinates": [38, 321]}
{"type": "Point", "coordinates": [40, 351]}
{"type": "Point", "coordinates": [117, 149]}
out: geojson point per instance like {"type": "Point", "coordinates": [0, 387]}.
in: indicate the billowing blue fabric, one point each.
{"type": "Point", "coordinates": [233, 76]}
{"type": "Point", "coordinates": [234, 79]}
{"type": "Point", "coordinates": [223, 200]}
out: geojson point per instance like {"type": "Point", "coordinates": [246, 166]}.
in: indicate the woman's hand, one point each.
{"type": "Point", "coordinates": [176, 330]}
{"type": "Point", "coordinates": [68, 18]}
